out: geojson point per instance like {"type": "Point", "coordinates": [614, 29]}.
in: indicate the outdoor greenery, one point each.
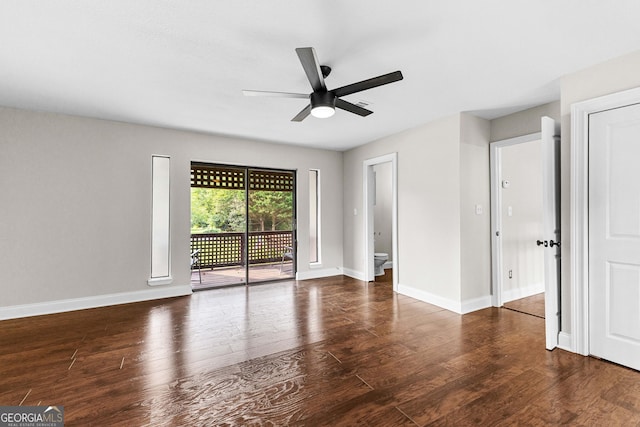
{"type": "Point", "coordinates": [222, 210]}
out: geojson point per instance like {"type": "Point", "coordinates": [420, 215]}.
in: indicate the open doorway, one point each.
{"type": "Point", "coordinates": [520, 187]}
{"type": "Point", "coordinates": [381, 231]}
{"type": "Point", "coordinates": [242, 225]}
{"type": "Point", "coordinates": [382, 223]}
{"type": "Point", "coordinates": [525, 224]}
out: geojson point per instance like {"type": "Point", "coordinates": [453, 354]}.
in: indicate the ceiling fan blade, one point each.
{"type": "Point", "coordinates": [302, 114]}
{"type": "Point", "coordinates": [311, 67]}
{"type": "Point", "coordinates": [274, 94]}
{"type": "Point", "coordinates": [352, 108]}
{"type": "Point", "coordinates": [368, 84]}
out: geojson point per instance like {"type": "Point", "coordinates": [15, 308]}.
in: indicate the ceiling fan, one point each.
{"type": "Point", "coordinates": [323, 102]}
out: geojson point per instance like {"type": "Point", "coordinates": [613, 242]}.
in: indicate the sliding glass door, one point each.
{"type": "Point", "coordinates": [242, 225]}
{"type": "Point", "coordinates": [270, 218]}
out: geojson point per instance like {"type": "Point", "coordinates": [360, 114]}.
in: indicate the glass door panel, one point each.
{"type": "Point", "coordinates": [271, 219]}
{"type": "Point", "coordinates": [218, 226]}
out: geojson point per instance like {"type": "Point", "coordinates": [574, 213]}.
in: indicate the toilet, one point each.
{"type": "Point", "coordinates": [379, 258]}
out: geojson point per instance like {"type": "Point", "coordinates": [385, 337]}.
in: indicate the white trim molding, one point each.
{"type": "Point", "coordinates": [158, 281]}
{"type": "Point", "coordinates": [464, 307]}
{"type": "Point", "coordinates": [475, 304]}
{"type": "Point", "coordinates": [358, 275]}
{"type": "Point", "coordinates": [60, 306]}
{"type": "Point", "coordinates": [579, 211]}
{"type": "Point", "coordinates": [564, 341]}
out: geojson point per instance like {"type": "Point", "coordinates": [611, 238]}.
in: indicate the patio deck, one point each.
{"type": "Point", "coordinates": [228, 276]}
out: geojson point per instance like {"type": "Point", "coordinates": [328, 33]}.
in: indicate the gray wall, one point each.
{"type": "Point", "coordinates": [75, 210]}
{"type": "Point", "coordinates": [444, 247]}
{"type": "Point", "coordinates": [475, 229]}
{"type": "Point", "coordinates": [428, 206]}
{"type": "Point", "coordinates": [523, 122]}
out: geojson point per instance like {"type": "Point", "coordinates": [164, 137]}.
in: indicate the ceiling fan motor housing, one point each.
{"type": "Point", "coordinates": [323, 99]}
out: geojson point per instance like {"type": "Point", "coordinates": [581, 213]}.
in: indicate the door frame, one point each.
{"type": "Point", "coordinates": [367, 187]}
{"type": "Point", "coordinates": [294, 200]}
{"type": "Point", "coordinates": [579, 210]}
{"type": "Point", "coordinates": [495, 160]}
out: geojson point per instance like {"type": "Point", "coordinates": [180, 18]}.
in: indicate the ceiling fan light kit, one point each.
{"type": "Point", "coordinates": [323, 102]}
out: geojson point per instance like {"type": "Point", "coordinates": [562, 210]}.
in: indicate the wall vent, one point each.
{"type": "Point", "coordinates": [362, 103]}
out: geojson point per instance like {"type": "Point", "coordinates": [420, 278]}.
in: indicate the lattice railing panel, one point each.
{"type": "Point", "coordinates": [270, 180]}
{"type": "Point", "coordinates": [268, 246]}
{"type": "Point", "coordinates": [219, 249]}
{"type": "Point", "coordinates": [209, 176]}
{"type": "Point", "coordinates": [212, 176]}
{"type": "Point", "coordinates": [226, 249]}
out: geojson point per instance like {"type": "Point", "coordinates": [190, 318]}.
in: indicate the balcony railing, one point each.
{"type": "Point", "coordinates": [226, 249]}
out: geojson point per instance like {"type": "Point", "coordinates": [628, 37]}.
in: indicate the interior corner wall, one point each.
{"type": "Point", "coordinates": [76, 204]}
{"type": "Point", "coordinates": [475, 218]}
{"type": "Point", "coordinates": [523, 122]}
{"type": "Point", "coordinates": [616, 75]}
{"type": "Point", "coordinates": [428, 207]}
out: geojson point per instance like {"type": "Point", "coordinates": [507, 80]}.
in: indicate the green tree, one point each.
{"type": "Point", "coordinates": [270, 210]}
{"type": "Point", "coordinates": [222, 210]}
{"type": "Point", "coordinates": [217, 210]}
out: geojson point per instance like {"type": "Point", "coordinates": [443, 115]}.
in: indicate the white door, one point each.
{"type": "Point", "coordinates": [551, 228]}
{"type": "Point", "coordinates": [614, 235]}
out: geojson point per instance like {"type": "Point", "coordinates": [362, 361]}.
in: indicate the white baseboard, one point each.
{"type": "Point", "coordinates": [564, 341]}
{"type": "Point", "coordinates": [430, 298]}
{"type": "Point", "coordinates": [514, 294]}
{"type": "Point", "coordinates": [319, 273]}
{"type": "Point", "coordinates": [388, 264]}
{"type": "Point", "coordinates": [353, 273]}
{"type": "Point", "coordinates": [463, 307]}
{"type": "Point", "coordinates": [59, 306]}
{"type": "Point", "coordinates": [476, 304]}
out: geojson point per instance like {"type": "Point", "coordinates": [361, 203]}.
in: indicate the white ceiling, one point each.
{"type": "Point", "coordinates": [183, 64]}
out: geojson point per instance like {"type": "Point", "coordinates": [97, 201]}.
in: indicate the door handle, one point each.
{"type": "Point", "coordinates": [540, 242]}
{"type": "Point", "coordinates": [552, 243]}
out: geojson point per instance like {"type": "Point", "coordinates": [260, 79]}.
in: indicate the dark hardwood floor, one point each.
{"type": "Point", "coordinates": [328, 352]}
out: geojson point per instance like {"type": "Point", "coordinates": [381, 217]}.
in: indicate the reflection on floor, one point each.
{"type": "Point", "coordinates": [228, 276]}
{"type": "Point", "coordinates": [533, 305]}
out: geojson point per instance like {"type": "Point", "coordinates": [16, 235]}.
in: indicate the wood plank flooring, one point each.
{"type": "Point", "coordinates": [326, 352]}
{"type": "Point", "coordinates": [533, 305]}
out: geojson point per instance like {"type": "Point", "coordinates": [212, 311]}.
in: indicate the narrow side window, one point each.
{"type": "Point", "coordinates": [160, 233]}
{"type": "Point", "coordinates": [314, 216]}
